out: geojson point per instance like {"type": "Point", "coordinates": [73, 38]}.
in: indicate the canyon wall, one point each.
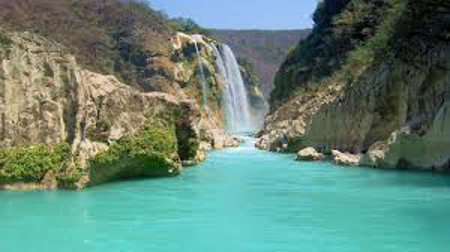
{"type": "Point", "coordinates": [384, 97]}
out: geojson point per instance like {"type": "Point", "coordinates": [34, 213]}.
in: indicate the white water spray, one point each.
{"type": "Point", "coordinates": [235, 100]}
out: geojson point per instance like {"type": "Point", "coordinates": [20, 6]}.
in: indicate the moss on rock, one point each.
{"type": "Point", "coordinates": [150, 154]}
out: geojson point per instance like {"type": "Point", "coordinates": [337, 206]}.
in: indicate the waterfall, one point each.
{"type": "Point", "coordinates": [235, 100]}
{"type": "Point", "coordinates": [203, 81]}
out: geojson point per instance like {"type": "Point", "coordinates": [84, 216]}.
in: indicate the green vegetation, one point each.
{"type": "Point", "coordinates": [188, 145]}
{"type": "Point", "coordinates": [5, 44]}
{"type": "Point", "coordinates": [48, 72]}
{"type": "Point", "coordinates": [248, 67]}
{"type": "Point", "coordinates": [152, 153]}
{"type": "Point", "coordinates": [187, 142]}
{"type": "Point", "coordinates": [4, 40]}
{"type": "Point", "coordinates": [69, 179]}
{"type": "Point", "coordinates": [376, 49]}
{"type": "Point", "coordinates": [30, 164]}
{"type": "Point", "coordinates": [252, 83]}
{"type": "Point", "coordinates": [100, 132]}
{"type": "Point", "coordinates": [187, 25]}
{"type": "Point", "coordinates": [341, 28]}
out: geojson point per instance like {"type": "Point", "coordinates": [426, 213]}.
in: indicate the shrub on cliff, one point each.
{"type": "Point", "coordinates": [149, 154]}
{"type": "Point", "coordinates": [187, 25]}
{"type": "Point", "coordinates": [30, 164]}
{"type": "Point", "coordinates": [4, 40]}
{"type": "Point", "coordinates": [341, 28]}
{"type": "Point", "coordinates": [252, 83]}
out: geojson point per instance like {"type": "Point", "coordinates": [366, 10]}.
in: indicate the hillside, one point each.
{"type": "Point", "coordinates": [109, 37]}
{"type": "Point", "coordinates": [373, 81]}
{"type": "Point", "coordinates": [266, 50]}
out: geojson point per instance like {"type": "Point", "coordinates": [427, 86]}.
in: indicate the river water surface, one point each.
{"type": "Point", "coordinates": [239, 200]}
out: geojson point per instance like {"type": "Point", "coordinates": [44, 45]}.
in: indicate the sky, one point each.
{"type": "Point", "coordinates": [242, 14]}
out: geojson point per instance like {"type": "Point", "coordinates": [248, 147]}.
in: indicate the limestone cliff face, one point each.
{"type": "Point", "coordinates": [392, 107]}
{"type": "Point", "coordinates": [47, 98]}
{"type": "Point", "coordinates": [179, 73]}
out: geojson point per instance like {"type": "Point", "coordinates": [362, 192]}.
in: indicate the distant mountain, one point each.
{"type": "Point", "coordinates": [266, 49]}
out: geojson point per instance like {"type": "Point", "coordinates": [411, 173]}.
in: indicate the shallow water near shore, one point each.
{"type": "Point", "coordinates": [241, 199]}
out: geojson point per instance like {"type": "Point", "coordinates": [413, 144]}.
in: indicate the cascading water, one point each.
{"type": "Point", "coordinates": [235, 100]}
{"type": "Point", "coordinates": [203, 81]}
{"type": "Point", "coordinates": [228, 102]}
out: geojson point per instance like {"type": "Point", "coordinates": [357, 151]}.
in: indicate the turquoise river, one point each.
{"type": "Point", "coordinates": [239, 200]}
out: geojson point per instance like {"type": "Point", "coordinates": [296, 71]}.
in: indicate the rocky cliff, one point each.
{"type": "Point", "coordinates": [252, 82]}
{"type": "Point", "coordinates": [65, 126]}
{"type": "Point", "coordinates": [191, 64]}
{"type": "Point", "coordinates": [384, 97]}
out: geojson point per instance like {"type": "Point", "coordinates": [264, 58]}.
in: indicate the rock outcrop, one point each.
{"type": "Point", "coordinates": [388, 99]}
{"type": "Point", "coordinates": [47, 98]}
{"type": "Point", "coordinates": [187, 76]}
{"type": "Point", "coordinates": [258, 103]}
{"type": "Point", "coordinates": [310, 154]}
{"type": "Point", "coordinates": [345, 159]}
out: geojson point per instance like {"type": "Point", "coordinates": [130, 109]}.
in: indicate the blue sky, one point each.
{"type": "Point", "coordinates": [242, 14]}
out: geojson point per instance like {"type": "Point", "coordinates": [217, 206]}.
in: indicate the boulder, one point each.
{"type": "Point", "coordinates": [346, 159]}
{"type": "Point", "coordinates": [221, 139]}
{"type": "Point", "coordinates": [376, 156]}
{"type": "Point", "coordinates": [231, 142]}
{"type": "Point", "coordinates": [310, 154]}
{"type": "Point", "coordinates": [262, 143]}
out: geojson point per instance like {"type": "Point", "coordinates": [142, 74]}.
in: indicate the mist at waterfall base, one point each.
{"type": "Point", "coordinates": [236, 106]}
